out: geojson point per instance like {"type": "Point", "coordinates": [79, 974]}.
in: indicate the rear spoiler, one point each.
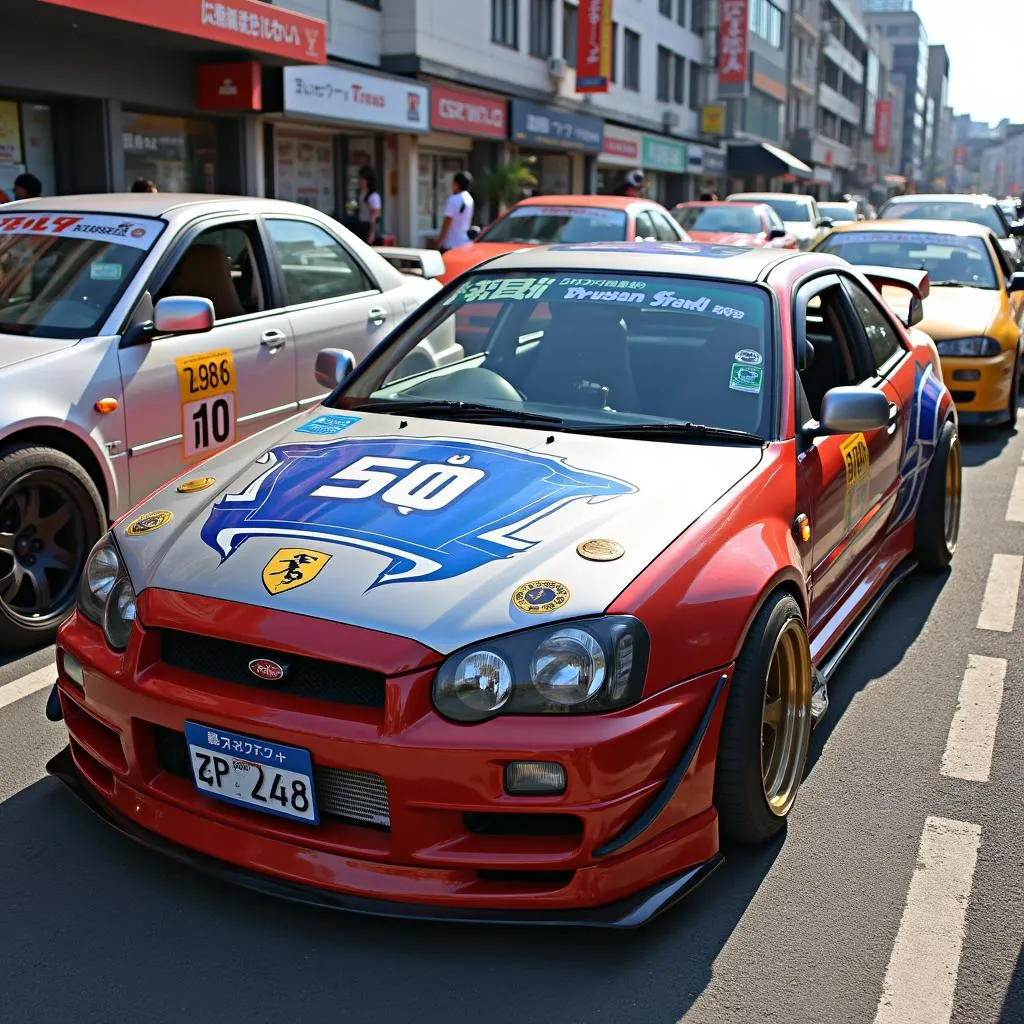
{"type": "Point", "coordinates": [417, 262]}
{"type": "Point", "coordinates": [915, 281]}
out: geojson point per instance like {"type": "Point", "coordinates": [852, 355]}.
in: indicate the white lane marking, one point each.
{"type": "Point", "coordinates": [972, 736]}
{"type": "Point", "coordinates": [999, 605]}
{"type": "Point", "coordinates": [1015, 510]}
{"type": "Point", "coordinates": [920, 981]}
{"type": "Point", "coordinates": [27, 685]}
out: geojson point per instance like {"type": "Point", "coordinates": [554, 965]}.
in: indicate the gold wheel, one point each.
{"type": "Point", "coordinates": [951, 509]}
{"type": "Point", "coordinates": [786, 718]}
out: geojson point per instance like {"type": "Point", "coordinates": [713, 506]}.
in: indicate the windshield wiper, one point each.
{"type": "Point", "coordinates": [456, 410]}
{"type": "Point", "coordinates": [954, 284]}
{"type": "Point", "coordinates": [670, 430]}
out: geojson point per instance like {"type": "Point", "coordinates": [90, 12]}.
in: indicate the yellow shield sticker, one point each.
{"type": "Point", "coordinates": [293, 567]}
{"type": "Point", "coordinates": [856, 458]}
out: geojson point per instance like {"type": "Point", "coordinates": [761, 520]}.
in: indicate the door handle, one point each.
{"type": "Point", "coordinates": [377, 314]}
{"type": "Point", "coordinates": [273, 339]}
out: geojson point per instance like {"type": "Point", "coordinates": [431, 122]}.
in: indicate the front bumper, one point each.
{"type": "Point", "coordinates": [980, 385]}
{"type": "Point", "coordinates": [639, 792]}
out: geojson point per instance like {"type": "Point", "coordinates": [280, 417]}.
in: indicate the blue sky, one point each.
{"type": "Point", "coordinates": [983, 38]}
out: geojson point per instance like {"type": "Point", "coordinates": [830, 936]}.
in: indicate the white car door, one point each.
{"type": "Point", "coordinates": [188, 396]}
{"type": "Point", "coordinates": [332, 299]}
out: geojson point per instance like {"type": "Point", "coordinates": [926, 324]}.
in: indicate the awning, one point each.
{"type": "Point", "coordinates": [763, 158]}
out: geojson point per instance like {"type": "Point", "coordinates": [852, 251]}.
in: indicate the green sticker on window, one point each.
{"type": "Point", "coordinates": [746, 378]}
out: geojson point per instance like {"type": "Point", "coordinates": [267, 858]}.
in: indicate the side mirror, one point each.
{"type": "Point", "coordinates": [826, 222]}
{"type": "Point", "coordinates": [183, 314]}
{"type": "Point", "coordinates": [915, 313]}
{"type": "Point", "coordinates": [1017, 229]}
{"type": "Point", "coordinates": [473, 232]}
{"type": "Point", "coordinates": [847, 410]}
{"type": "Point", "coordinates": [1016, 282]}
{"type": "Point", "coordinates": [774, 233]}
{"type": "Point", "coordinates": [333, 365]}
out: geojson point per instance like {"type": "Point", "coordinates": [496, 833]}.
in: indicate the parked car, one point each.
{"type": "Point", "coordinates": [799, 213]}
{"type": "Point", "coordinates": [520, 638]}
{"type": "Point", "coordinates": [840, 212]}
{"type": "Point", "coordinates": [141, 333]}
{"type": "Point", "coordinates": [736, 223]}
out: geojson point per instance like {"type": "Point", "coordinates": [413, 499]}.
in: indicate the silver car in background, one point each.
{"type": "Point", "coordinates": [140, 334]}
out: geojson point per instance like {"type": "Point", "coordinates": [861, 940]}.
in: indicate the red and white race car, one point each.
{"type": "Point", "coordinates": [517, 638]}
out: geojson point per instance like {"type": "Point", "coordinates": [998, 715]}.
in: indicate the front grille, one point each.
{"type": "Point", "coordinates": [306, 677]}
{"type": "Point", "coordinates": [349, 795]}
{"type": "Point", "coordinates": [963, 397]}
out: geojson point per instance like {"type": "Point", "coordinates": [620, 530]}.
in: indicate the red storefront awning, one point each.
{"type": "Point", "coordinates": [248, 24]}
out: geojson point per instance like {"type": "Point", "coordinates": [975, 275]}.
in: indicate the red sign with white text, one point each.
{"type": "Point", "coordinates": [617, 146]}
{"type": "Point", "coordinates": [467, 113]}
{"type": "Point", "coordinates": [250, 24]}
{"type": "Point", "coordinates": [594, 46]}
{"type": "Point", "coordinates": [883, 126]}
{"type": "Point", "coordinates": [237, 86]}
{"type": "Point", "coordinates": [733, 43]}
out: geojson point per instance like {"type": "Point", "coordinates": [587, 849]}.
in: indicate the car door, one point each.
{"type": "Point", "coordinates": [331, 298]}
{"type": "Point", "coordinates": [188, 396]}
{"type": "Point", "coordinates": [847, 484]}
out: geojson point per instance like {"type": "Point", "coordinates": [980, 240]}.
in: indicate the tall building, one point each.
{"type": "Point", "coordinates": [879, 155]}
{"type": "Point", "coordinates": [939, 152]}
{"type": "Point", "coordinates": [906, 32]}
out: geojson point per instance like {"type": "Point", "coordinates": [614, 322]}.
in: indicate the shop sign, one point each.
{"type": "Point", "coordinates": [594, 46]}
{"type": "Point", "coordinates": [714, 163]}
{"type": "Point", "coordinates": [250, 24]}
{"type": "Point", "coordinates": [664, 155]}
{"type": "Point", "coordinates": [622, 147]}
{"type": "Point", "coordinates": [343, 94]}
{"type": "Point", "coordinates": [694, 159]}
{"type": "Point", "coordinates": [10, 133]}
{"type": "Point", "coordinates": [235, 86]}
{"type": "Point", "coordinates": [883, 126]}
{"type": "Point", "coordinates": [535, 125]}
{"type": "Point", "coordinates": [467, 113]}
{"type": "Point", "coordinates": [733, 45]}
{"type": "Point", "coordinates": [712, 119]}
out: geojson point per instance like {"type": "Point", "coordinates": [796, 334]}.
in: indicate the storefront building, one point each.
{"type": "Point", "coordinates": [664, 162]}
{"type": "Point", "coordinates": [563, 145]}
{"type": "Point", "coordinates": [621, 151]}
{"type": "Point", "coordinates": [322, 124]}
{"type": "Point", "coordinates": [125, 91]}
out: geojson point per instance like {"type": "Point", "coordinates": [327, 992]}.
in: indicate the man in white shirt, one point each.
{"type": "Point", "coordinates": [458, 213]}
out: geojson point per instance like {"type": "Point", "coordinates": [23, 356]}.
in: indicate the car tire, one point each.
{"type": "Point", "coordinates": [51, 515]}
{"type": "Point", "coordinates": [767, 719]}
{"type": "Point", "coordinates": [938, 515]}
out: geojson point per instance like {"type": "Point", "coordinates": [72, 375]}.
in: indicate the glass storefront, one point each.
{"type": "Point", "coordinates": [553, 172]}
{"type": "Point", "coordinates": [26, 145]}
{"type": "Point", "coordinates": [304, 170]}
{"type": "Point", "coordinates": [179, 154]}
{"type": "Point", "coordinates": [433, 187]}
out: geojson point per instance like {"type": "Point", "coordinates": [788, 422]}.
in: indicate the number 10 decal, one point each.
{"type": "Point", "coordinates": [208, 423]}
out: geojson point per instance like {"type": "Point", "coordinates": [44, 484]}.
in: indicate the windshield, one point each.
{"type": "Point", "coordinates": [838, 212]}
{"type": "Point", "coordinates": [542, 225]}
{"type": "Point", "coordinates": [591, 349]}
{"type": "Point", "coordinates": [949, 259]}
{"type": "Point", "coordinates": [973, 213]}
{"type": "Point", "coordinates": [61, 274]}
{"type": "Point", "coordinates": [789, 209]}
{"type": "Point", "coordinates": [738, 219]}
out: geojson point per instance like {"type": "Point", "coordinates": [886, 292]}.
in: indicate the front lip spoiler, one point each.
{"type": "Point", "coordinates": [631, 912]}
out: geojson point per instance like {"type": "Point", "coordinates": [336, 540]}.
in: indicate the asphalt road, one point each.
{"type": "Point", "coordinates": [896, 895]}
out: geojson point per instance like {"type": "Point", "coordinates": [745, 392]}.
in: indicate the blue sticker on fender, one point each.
{"type": "Point", "coordinates": [919, 444]}
{"type": "Point", "coordinates": [435, 508]}
{"type": "Point", "coordinates": [327, 425]}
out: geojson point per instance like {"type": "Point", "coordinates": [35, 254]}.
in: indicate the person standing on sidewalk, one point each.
{"type": "Point", "coordinates": [369, 205]}
{"type": "Point", "coordinates": [458, 213]}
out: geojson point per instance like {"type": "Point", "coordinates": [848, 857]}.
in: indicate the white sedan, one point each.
{"type": "Point", "coordinates": [141, 333]}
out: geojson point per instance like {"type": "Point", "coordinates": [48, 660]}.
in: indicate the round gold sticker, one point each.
{"type": "Point", "coordinates": [600, 549]}
{"type": "Point", "coordinates": [540, 596]}
{"type": "Point", "coordinates": [197, 483]}
{"type": "Point", "coordinates": [149, 522]}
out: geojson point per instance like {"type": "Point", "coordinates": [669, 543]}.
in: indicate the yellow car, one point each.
{"type": "Point", "coordinates": [973, 311]}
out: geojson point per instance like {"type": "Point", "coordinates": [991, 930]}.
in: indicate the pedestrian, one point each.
{"type": "Point", "coordinates": [27, 186]}
{"type": "Point", "coordinates": [369, 205]}
{"type": "Point", "coordinates": [632, 183]}
{"type": "Point", "coordinates": [144, 185]}
{"type": "Point", "coordinates": [709, 197]}
{"type": "Point", "coordinates": [458, 213]}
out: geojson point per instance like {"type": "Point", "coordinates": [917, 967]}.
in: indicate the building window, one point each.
{"type": "Point", "coordinates": [664, 73]}
{"type": "Point", "coordinates": [679, 79]}
{"type": "Point", "coordinates": [569, 34]}
{"type": "Point", "coordinates": [615, 51]}
{"type": "Point", "coordinates": [631, 60]}
{"type": "Point", "coordinates": [695, 97]}
{"type": "Point", "coordinates": [665, 7]}
{"type": "Point", "coordinates": [541, 13]}
{"type": "Point", "coordinates": [761, 115]}
{"type": "Point", "coordinates": [681, 12]}
{"type": "Point", "coordinates": [766, 22]}
{"type": "Point", "coordinates": [505, 23]}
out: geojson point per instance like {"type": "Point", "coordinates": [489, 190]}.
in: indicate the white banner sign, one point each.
{"type": "Point", "coordinates": [138, 233]}
{"type": "Point", "coordinates": [341, 94]}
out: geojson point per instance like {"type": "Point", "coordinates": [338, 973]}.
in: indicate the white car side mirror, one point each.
{"type": "Point", "coordinates": [183, 314]}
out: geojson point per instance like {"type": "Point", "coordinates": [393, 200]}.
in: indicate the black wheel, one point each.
{"type": "Point", "coordinates": [938, 516]}
{"type": "Point", "coordinates": [762, 753]}
{"type": "Point", "coordinates": [1014, 402]}
{"type": "Point", "coordinates": [50, 517]}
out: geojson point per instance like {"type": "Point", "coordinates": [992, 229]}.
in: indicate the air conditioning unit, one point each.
{"type": "Point", "coordinates": [557, 68]}
{"type": "Point", "coordinates": [670, 119]}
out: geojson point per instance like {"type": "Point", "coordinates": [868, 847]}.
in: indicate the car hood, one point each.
{"type": "Point", "coordinates": [727, 238]}
{"type": "Point", "coordinates": [15, 348]}
{"type": "Point", "coordinates": [457, 261]}
{"type": "Point", "coordinates": [959, 312]}
{"type": "Point", "coordinates": [421, 528]}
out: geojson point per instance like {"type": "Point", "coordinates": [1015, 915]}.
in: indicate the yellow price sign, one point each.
{"type": "Point", "coordinates": [856, 458]}
{"type": "Point", "coordinates": [206, 381]}
{"type": "Point", "coordinates": [205, 374]}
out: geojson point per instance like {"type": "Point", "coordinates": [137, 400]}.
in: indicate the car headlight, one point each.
{"type": "Point", "coordinates": [968, 347]}
{"type": "Point", "coordinates": [105, 593]}
{"type": "Point", "coordinates": [583, 666]}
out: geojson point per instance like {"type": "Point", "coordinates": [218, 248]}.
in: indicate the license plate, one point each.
{"type": "Point", "coordinates": [255, 773]}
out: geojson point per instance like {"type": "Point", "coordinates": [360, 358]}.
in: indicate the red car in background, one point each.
{"type": "Point", "coordinates": [547, 220]}
{"type": "Point", "coordinates": [734, 223]}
